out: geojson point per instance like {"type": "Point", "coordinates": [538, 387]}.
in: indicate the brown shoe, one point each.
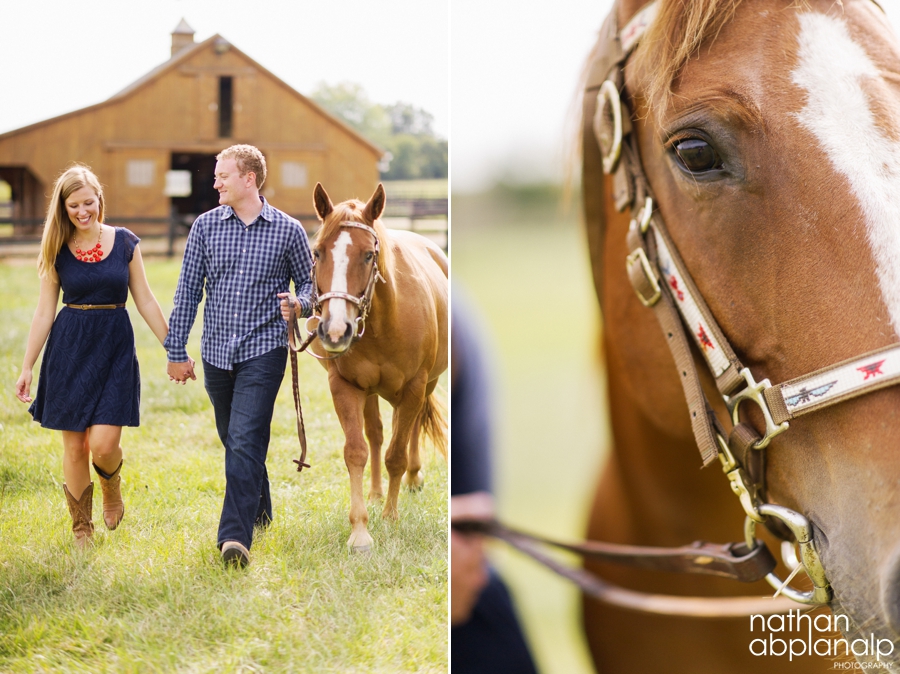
{"type": "Point", "coordinates": [113, 506]}
{"type": "Point", "coordinates": [81, 511]}
{"type": "Point", "coordinates": [235, 554]}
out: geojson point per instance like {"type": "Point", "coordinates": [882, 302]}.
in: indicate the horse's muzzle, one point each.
{"type": "Point", "coordinates": [336, 336]}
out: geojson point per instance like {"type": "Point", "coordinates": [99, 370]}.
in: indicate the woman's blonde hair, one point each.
{"type": "Point", "coordinates": [58, 228]}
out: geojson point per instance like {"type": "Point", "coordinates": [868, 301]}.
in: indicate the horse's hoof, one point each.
{"type": "Point", "coordinates": [362, 550]}
{"type": "Point", "coordinates": [360, 542]}
{"type": "Point", "coordinates": [415, 483]}
{"type": "Point", "coordinates": [390, 514]}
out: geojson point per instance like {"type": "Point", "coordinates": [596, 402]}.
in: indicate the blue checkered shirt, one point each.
{"type": "Point", "coordinates": [243, 268]}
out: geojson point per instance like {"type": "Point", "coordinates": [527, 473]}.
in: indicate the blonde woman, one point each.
{"type": "Point", "coordinates": [89, 386]}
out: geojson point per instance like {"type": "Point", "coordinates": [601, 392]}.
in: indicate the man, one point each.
{"type": "Point", "coordinates": [245, 253]}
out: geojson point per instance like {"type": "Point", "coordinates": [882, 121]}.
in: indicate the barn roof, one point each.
{"type": "Point", "coordinates": [182, 56]}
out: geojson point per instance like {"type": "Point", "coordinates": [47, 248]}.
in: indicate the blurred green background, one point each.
{"type": "Point", "coordinates": [519, 254]}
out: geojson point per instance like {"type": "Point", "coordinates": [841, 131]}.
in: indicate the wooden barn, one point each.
{"type": "Point", "coordinates": [153, 144]}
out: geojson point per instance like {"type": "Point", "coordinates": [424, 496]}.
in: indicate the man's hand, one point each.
{"type": "Point", "coordinates": [468, 566]}
{"type": "Point", "coordinates": [287, 301]}
{"type": "Point", "coordinates": [181, 372]}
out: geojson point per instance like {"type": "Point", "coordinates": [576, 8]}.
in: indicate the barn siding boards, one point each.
{"type": "Point", "coordinates": [173, 109]}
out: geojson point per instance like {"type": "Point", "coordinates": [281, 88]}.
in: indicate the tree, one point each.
{"type": "Point", "coordinates": [403, 130]}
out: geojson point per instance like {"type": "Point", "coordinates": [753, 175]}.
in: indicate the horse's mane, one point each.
{"type": "Point", "coordinates": [678, 31]}
{"type": "Point", "coordinates": [353, 210]}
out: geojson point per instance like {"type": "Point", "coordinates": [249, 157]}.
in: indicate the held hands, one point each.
{"type": "Point", "coordinates": [23, 387]}
{"type": "Point", "coordinates": [287, 300]}
{"type": "Point", "coordinates": [181, 372]}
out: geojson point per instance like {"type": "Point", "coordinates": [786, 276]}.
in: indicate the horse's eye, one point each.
{"type": "Point", "coordinates": [697, 156]}
{"type": "Point", "coordinates": [316, 254]}
{"type": "Point", "coordinates": [369, 257]}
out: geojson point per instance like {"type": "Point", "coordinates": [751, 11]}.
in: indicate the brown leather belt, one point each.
{"type": "Point", "coordinates": [95, 306]}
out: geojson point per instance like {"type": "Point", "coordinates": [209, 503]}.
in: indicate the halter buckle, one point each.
{"type": "Point", "coordinates": [642, 219]}
{"type": "Point", "coordinates": [754, 392]}
{"type": "Point", "coordinates": [646, 281]}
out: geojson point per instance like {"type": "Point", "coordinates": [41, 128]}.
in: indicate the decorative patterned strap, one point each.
{"type": "Point", "coordinates": [845, 380]}
{"type": "Point", "coordinates": [705, 331]}
{"type": "Point", "coordinates": [638, 25]}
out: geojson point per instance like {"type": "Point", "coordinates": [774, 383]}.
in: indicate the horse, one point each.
{"type": "Point", "coordinates": [381, 299]}
{"type": "Point", "coordinates": [744, 157]}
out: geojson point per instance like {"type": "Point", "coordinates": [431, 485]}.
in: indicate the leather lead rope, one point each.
{"type": "Point", "coordinates": [732, 560]}
{"type": "Point", "coordinates": [293, 335]}
{"type": "Point", "coordinates": [729, 561]}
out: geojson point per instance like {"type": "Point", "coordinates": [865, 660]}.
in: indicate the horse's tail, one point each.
{"type": "Point", "coordinates": [434, 425]}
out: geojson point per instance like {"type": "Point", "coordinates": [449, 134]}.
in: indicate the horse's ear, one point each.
{"type": "Point", "coordinates": [375, 207]}
{"type": "Point", "coordinates": [322, 202]}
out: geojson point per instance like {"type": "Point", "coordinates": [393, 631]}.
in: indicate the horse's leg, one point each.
{"type": "Point", "coordinates": [406, 414]}
{"type": "Point", "coordinates": [349, 404]}
{"type": "Point", "coordinates": [375, 436]}
{"type": "Point", "coordinates": [413, 479]}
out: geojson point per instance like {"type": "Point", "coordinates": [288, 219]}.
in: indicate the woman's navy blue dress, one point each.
{"type": "Point", "coordinates": [89, 374]}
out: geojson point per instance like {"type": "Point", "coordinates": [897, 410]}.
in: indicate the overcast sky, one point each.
{"type": "Point", "coordinates": [514, 72]}
{"type": "Point", "coordinates": [61, 56]}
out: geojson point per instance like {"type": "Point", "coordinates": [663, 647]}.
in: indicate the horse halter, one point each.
{"type": "Point", "coordinates": [681, 309]}
{"type": "Point", "coordinates": [363, 301]}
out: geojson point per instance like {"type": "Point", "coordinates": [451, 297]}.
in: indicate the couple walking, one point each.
{"type": "Point", "coordinates": [243, 255]}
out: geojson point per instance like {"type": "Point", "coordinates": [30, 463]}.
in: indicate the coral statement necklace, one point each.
{"type": "Point", "coordinates": [92, 254]}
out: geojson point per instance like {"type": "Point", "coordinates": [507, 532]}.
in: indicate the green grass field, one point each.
{"type": "Point", "coordinates": [152, 596]}
{"type": "Point", "coordinates": [523, 262]}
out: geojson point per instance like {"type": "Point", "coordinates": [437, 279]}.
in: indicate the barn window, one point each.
{"type": "Point", "coordinates": [293, 174]}
{"type": "Point", "coordinates": [6, 201]}
{"type": "Point", "coordinates": [139, 172]}
{"type": "Point", "coordinates": [226, 106]}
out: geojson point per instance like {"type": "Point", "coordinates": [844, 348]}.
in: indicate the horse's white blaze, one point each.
{"type": "Point", "coordinates": [832, 69]}
{"type": "Point", "coordinates": [337, 307]}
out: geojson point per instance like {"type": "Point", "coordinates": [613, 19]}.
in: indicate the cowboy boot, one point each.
{"type": "Point", "coordinates": [80, 510]}
{"type": "Point", "coordinates": [113, 507]}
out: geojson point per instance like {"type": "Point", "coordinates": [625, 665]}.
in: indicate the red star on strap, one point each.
{"type": "Point", "coordinates": [871, 370]}
{"type": "Point", "coordinates": [674, 283]}
{"type": "Point", "coordinates": [705, 341]}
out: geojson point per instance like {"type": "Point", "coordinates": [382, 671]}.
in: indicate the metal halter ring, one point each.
{"type": "Point", "coordinates": [308, 331]}
{"type": "Point", "coordinates": [754, 392]}
{"type": "Point", "coordinates": [609, 139]}
{"type": "Point", "coordinates": [809, 558]}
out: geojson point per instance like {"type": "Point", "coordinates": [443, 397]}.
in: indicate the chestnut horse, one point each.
{"type": "Point", "coordinates": [766, 135]}
{"type": "Point", "coordinates": [382, 300]}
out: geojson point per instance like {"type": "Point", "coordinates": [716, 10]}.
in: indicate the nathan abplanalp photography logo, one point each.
{"type": "Point", "coordinates": [797, 634]}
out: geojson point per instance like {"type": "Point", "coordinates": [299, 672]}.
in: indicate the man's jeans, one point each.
{"type": "Point", "coordinates": [243, 399]}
